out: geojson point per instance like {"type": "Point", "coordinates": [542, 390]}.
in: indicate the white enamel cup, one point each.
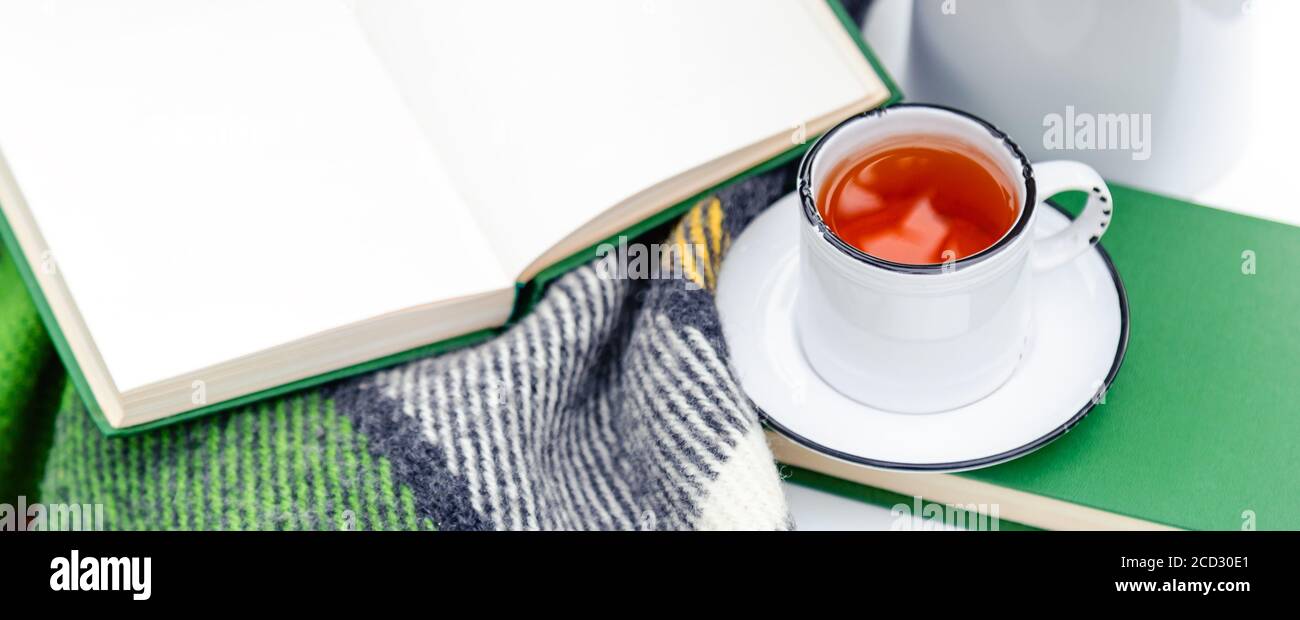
{"type": "Point", "coordinates": [934, 337]}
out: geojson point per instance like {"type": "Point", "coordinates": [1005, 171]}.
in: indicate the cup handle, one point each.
{"type": "Point", "coordinates": [1054, 177]}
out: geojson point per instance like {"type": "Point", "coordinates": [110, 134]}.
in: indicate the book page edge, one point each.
{"type": "Point", "coordinates": [1013, 504]}
{"type": "Point", "coordinates": [845, 43]}
{"type": "Point", "coordinates": [53, 297]}
{"type": "Point", "coordinates": [683, 186]}
{"type": "Point", "coordinates": [265, 370]}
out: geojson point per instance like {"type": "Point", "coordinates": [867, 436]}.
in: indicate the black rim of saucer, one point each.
{"type": "Point", "coordinates": [1009, 454]}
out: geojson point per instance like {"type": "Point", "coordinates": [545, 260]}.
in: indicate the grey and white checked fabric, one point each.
{"type": "Point", "coordinates": [610, 406]}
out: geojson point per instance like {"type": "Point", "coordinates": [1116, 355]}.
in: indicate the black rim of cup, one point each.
{"type": "Point", "coordinates": [814, 217]}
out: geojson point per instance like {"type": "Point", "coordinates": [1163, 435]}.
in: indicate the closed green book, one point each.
{"type": "Point", "coordinates": [1200, 428]}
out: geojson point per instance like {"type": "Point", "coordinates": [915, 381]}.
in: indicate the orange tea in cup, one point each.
{"type": "Point", "coordinates": [919, 203]}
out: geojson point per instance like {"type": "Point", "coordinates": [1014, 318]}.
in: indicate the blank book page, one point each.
{"type": "Point", "coordinates": [548, 113]}
{"type": "Point", "coordinates": [215, 178]}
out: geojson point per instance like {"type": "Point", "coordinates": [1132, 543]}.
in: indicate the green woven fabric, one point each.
{"type": "Point", "coordinates": [30, 379]}
{"type": "Point", "coordinates": [289, 464]}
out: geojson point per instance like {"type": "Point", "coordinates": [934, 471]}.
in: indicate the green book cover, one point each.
{"type": "Point", "coordinates": [1199, 429]}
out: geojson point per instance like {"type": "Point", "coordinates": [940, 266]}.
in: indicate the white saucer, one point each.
{"type": "Point", "coordinates": [1081, 330]}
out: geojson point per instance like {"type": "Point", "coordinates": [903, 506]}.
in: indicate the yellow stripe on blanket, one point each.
{"type": "Point", "coordinates": [699, 240]}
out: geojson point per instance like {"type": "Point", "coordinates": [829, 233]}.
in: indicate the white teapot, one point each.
{"type": "Point", "coordinates": [1144, 91]}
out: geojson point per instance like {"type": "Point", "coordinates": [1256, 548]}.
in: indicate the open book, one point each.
{"type": "Point", "coordinates": [221, 199]}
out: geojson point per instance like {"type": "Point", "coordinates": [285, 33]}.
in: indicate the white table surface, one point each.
{"type": "Point", "coordinates": [1256, 185]}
